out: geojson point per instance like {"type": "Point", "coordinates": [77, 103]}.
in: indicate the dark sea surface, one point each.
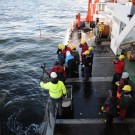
{"type": "Point", "coordinates": [30, 31]}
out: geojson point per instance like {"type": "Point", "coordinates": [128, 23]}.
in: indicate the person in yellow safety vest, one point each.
{"type": "Point", "coordinates": [100, 29]}
{"type": "Point", "coordinates": [56, 90]}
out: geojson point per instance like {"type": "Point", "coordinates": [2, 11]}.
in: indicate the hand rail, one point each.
{"type": "Point", "coordinates": [46, 116]}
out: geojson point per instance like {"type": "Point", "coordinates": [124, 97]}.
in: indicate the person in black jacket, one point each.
{"type": "Point", "coordinates": [125, 100]}
{"type": "Point", "coordinates": [87, 64]}
{"type": "Point", "coordinates": [110, 107]}
{"type": "Point", "coordinates": [76, 56]}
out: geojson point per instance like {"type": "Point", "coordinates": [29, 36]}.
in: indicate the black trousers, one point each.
{"type": "Point", "coordinates": [109, 118]}
{"type": "Point", "coordinates": [116, 77]}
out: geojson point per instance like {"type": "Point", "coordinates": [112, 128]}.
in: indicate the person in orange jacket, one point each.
{"type": "Point", "coordinates": [76, 56]}
{"type": "Point", "coordinates": [87, 65]}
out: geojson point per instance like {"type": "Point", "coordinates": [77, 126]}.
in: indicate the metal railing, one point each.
{"type": "Point", "coordinates": [46, 116]}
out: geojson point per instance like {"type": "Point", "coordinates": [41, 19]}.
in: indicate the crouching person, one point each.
{"type": "Point", "coordinates": [56, 90]}
{"type": "Point", "coordinates": [110, 107]}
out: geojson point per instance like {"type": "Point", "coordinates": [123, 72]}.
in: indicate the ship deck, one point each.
{"type": "Point", "coordinates": [86, 118]}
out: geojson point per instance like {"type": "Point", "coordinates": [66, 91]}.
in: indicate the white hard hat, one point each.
{"type": "Point", "coordinates": [125, 75]}
{"type": "Point", "coordinates": [53, 75]}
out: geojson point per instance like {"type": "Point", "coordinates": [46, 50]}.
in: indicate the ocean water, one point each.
{"type": "Point", "coordinates": [30, 31]}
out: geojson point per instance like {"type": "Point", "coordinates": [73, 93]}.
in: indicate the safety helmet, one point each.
{"type": "Point", "coordinates": [56, 63]}
{"type": "Point", "coordinates": [83, 41]}
{"type": "Point", "coordinates": [73, 47]}
{"type": "Point", "coordinates": [127, 88]}
{"type": "Point", "coordinates": [87, 52]}
{"type": "Point", "coordinates": [59, 46]}
{"type": "Point", "coordinates": [53, 75]}
{"type": "Point", "coordinates": [90, 48]}
{"type": "Point", "coordinates": [125, 75]}
{"type": "Point", "coordinates": [121, 57]}
{"type": "Point", "coordinates": [63, 47]}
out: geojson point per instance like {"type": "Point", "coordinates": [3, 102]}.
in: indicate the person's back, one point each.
{"type": "Point", "coordinates": [59, 70]}
{"type": "Point", "coordinates": [119, 64]}
{"type": "Point", "coordinates": [61, 57]}
{"type": "Point", "coordinates": [76, 56]}
{"type": "Point", "coordinates": [84, 46]}
{"type": "Point", "coordinates": [56, 90]}
{"type": "Point", "coordinates": [87, 60]}
{"type": "Point", "coordinates": [110, 106]}
{"type": "Point", "coordinates": [65, 49]}
{"type": "Point", "coordinates": [70, 63]}
{"type": "Point", "coordinates": [87, 65]}
{"type": "Point", "coordinates": [125, 100]}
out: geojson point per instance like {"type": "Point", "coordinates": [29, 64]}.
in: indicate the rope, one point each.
{"type": "Point", "coordinates": [39, 25]}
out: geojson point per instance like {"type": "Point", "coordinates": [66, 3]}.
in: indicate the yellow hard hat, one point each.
{"type": "Point", "coordinates": [73, 47]}
{"type": "Point", "coordinates": [90, 48]}
{"type": "Point", "coordinates": [62, 47]}
{"type": "Point", "coordinates": [87, 52]}
{"type": "Point", "coordinates": [127, 88]}
{"type": "Point", "coordinates": [83, 41]}
{"type": "Point", "coordinates": [121, 57]}
{"type": "Point", "coordinates": [59, 46]}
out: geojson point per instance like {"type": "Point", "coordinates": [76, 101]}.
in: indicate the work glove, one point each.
{"type": "Point", "coordinates": [117, 83]}
{"type": "Point", "coordinates": [102, 108]}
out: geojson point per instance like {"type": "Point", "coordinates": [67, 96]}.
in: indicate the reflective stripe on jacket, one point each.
{"type": "Point", "coordinates": [55, 90]}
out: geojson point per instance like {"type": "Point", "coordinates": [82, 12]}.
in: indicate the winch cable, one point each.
{"type": "Point", "coordinates": [38, 17]}
{"type": "Point", "coordinates": [46, 117]}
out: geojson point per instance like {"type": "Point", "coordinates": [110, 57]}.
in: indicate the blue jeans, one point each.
{"type": "Point", "coordinates": [54, 102]}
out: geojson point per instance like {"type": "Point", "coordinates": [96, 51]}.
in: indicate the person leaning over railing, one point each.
{"type": "Point", "coordinates": [56, 91]}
